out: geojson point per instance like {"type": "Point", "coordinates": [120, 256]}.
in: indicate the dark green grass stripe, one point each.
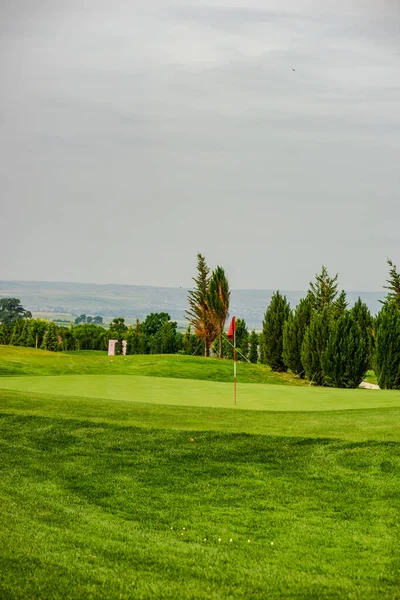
{"type": "Point", "coordinates": [87, 511]}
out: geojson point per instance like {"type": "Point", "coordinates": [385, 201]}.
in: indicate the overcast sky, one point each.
{"type": "Point", "coordinates": [135, 133]}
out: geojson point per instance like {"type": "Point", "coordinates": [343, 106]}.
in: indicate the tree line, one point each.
{"type": "Point", "coordinates": [324, 341]}
{"type": "Point", "coordinates": [157, 334]}
{"type": "Point", "coordinates": [321, 339]}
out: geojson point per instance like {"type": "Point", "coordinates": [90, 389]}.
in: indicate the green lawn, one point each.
{"type": "Point", "coordinates": [119, 487]}
{"type": "Point", "coordinates": [17, 361]}
{"type": "Point", "coordinates": [107, 511]}
{"type": "Point", "coordinates": [187, 392]}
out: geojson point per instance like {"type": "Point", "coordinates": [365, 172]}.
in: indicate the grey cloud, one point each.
{"type": "Point", "coordinates": [121, 136]}
{"type": "Point", "coordinates": [228, 17]}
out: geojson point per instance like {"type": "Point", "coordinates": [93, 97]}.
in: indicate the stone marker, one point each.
{"type": "Point", "coordinates": [111, 347]}
{"type": "Point", "coordinates": [112, 344]}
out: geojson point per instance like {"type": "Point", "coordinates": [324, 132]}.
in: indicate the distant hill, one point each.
{"type": "Point", "coordinates": [131, 301]}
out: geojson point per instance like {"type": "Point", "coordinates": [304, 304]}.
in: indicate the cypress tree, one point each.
{"type": "Point", "coordinates": [323, 290]}
{"type": "Point", "coordinates": [261, 343]}
{"type": "Point", "coordinates": [4, 333]}
{"type": "Point", "coordinates": [167, 335]}
{"type": "Point", "coordinates": [387, 347]}
{"type": "Point", "coordinates": [253, 353]}
{"type": "Point", "coordinates": [17, 332]}
{"type": "Point", "coordinates": [314, 345]}
{"type": "Point", "coordinates": [345, 359]}
{"type": "Point", "coordinates": [218, 298]}
{"type": "Point", "coordinates": [36, 331]}
{"type": "Point", "coordinates": [136, 339]}
{"type": "Point", "coordinates": [276, 314]}
{"type": "Point", "coordinates": [293, 336]}
{"type": "Point", "coordinates": [50, 339]}
{"type": "Point", "coordinates": [364, 318]}
{"type": "Point", "coordinates": [199, 314]}
{"type": "Point", "coordinates": [25, 333]}
{"type": "Point", "coordinates": [393, 285]}
{"type": "Point", "coordinates": [340, 305]}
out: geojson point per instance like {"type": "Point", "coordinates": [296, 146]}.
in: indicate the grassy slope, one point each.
{"type": "Point", "coordinates": [380, 424]}
{"type": "Point", "coordinates": [191, 392]}
{"type": "Point", "coordinates": [15, 361]}
{"type": "Point", "coordinates": [90, 489]}
{"type": "Point", "coordinates": [88, 512]}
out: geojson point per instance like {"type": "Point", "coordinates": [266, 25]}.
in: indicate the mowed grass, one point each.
{"type": "Point", "coordinates": [18, 361]}
{"type": "Point", "coordinates": [362, 425]}
{"type": "Point", "coordinates": [125, 497]}
{"type": "Point", "coordinates": [106, 511]}
{"type": "Point", "coordinates": [187, 392]}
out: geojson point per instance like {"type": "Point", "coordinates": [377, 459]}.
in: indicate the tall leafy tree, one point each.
{"type": "Point", "coordinates": [80, 319]}
{"type": "Point", "coordinates": [11, 310]}
{"type": "Point", "coordinates": [164, 341]}
{"type": "Point", "coordinates": [154, 322]}
{"type": "Point", "coordinates": [293, 336]}
{"type": "Point", "coordinates": [199, 314]}
{"type": "Point", "coordinates": [218, 298]}
{"type": "Point", "coordinates": [275, 317]}
{"type": "Point", "coordinates": [253, 353]}
{"type": "Point", "coordinates": [346, 356]}
{"type": "Point", "coordinates": [393, 286]}
{"type": "Point", "coordinates": [190, 342]}
{"type": "Point", "coordinates": [314, 346]}
{"type": "Point", "coordinates": [117, 328]}
{"type": "Point", "coordinates": [387, 347]}
{"type": "Point", "coordinates": [89, 336]}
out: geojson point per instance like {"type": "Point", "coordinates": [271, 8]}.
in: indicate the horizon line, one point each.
{"type": "Point", "coordinates": [173, 287]}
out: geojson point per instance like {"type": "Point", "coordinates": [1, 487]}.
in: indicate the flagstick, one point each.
{"type": "Point", "coordinates": [234, 364]}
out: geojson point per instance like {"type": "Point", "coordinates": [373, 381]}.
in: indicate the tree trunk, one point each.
{"type": "Point", "coordinates": [220, 345]}
{"type": "Point", "coordinates": [205, 348]}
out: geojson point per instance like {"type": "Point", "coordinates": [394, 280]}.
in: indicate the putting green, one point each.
{"type": "Point", "coordinates": [188, 392]}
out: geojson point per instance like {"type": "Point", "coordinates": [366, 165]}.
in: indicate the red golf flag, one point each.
{"type": "Point", "coordinates": [232, 328]}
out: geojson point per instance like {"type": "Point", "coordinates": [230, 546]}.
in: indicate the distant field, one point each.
{"type": "Point", "coordinates": [66, 319]}
{"type": "Point", "coordinates": [119, 484]}
{"type": "Point", "coordinates": [51, 316]}
{"type": "Point", "coordinates": [131, 301]}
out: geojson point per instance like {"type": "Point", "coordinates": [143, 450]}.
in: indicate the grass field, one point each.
{"type": "Point", "coordinates": [118, 485]}
{"type": "Point", "coordinates": [189, 392]}
{"type": "Point", "coordinates": [28, 361]}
